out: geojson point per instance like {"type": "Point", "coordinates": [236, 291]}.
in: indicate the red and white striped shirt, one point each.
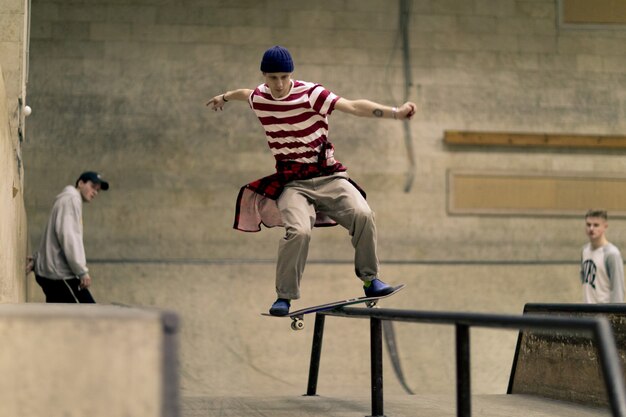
{"type": "Point", "coordinates": [296, 126]}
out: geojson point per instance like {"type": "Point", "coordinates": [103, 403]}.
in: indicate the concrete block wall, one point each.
{"type": "Point", "coordinates": [13, 231]}
{"type": "Point", "coordinates": [13, 227]}
{"type": "Point", "coordinates": [120, 88]}
{"type": "Point", "coordinates": [12, 51]}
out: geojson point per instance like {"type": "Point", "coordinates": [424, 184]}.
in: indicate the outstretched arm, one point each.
{"type": "Point", "coordinates": [217, 102]}
{"type": "Point", "coordinates": [367, 108]}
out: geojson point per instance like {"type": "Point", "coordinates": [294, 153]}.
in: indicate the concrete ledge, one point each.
{"type": "Point", "coordinates": [79, 360]}
{"type": "Point", "coordinates": [540, 140]}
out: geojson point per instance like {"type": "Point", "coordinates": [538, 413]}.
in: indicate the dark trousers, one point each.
{"type": "Point", "coordinates": [64, 290]}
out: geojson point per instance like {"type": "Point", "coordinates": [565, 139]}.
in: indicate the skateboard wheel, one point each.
{"type": "Point", "coordinates": [297, 325]}
{"type": "Point", "coordinates": [371, 304]}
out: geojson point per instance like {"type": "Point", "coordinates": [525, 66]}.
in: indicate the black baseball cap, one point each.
{"type": "Point", "coordinates": [95, 178]}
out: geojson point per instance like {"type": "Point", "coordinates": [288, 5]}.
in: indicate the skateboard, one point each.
{"type": "Point", "coordinates": [297, 317]}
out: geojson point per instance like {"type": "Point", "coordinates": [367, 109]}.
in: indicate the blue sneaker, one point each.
{"type": "Point", "coordinates": [377, 288]}
{"type": "Point", "coordinates": [280, 307]}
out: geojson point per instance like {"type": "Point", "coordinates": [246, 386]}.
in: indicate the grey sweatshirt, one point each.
{"type": "Point", "coordinates": [61, 254]}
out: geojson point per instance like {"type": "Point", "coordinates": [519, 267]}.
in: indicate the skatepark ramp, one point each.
{"type": "Point", "coordinates": [564, 366]}
{"type": "Point", "coordinates": [594, 328]}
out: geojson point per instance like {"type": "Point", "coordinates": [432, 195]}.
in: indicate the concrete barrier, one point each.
{"type": "Point", "coordinates": [79, 360]}
{"type": "Point", "coordinates": [565, 366]}
{"type": "Point", "coordinates": [13, 227]}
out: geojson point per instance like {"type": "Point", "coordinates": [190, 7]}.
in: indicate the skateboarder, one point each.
{"type": "Point", "coordinates": [310, 187]}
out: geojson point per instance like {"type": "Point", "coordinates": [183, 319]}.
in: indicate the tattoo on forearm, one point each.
{"type": "Point", "coordinates": [378, 113]}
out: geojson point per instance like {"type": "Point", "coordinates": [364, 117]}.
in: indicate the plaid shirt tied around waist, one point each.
{"type": "Point", "coordinates": [257, 201]}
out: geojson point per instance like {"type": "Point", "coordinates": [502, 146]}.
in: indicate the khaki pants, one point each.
{"type": "Point", "coordinates": [336, 197]}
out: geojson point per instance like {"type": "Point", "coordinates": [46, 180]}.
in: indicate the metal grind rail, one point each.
{"type": "Point", "coordinates": [598, 327]}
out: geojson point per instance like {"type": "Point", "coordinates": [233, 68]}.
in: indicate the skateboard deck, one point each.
{"type": "Point", "coordinates": [297, 316]}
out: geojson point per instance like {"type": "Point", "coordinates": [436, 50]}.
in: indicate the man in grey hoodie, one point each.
{"type": "Point", "coordinates": [60, 264]}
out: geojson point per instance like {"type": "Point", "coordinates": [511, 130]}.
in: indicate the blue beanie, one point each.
{"type": "Point", "coordinates": [277, 59]}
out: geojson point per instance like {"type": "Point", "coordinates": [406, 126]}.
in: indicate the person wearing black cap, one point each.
{"type": "Point", "coordinates": [310, 187]}
{"type": "Point", "coordinates": [60, 264]}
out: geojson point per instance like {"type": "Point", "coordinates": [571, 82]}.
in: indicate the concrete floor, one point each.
{"type": "Point", "coordinates": [395, 406]}
{"type": "Point", "coordinates": [238, 352]}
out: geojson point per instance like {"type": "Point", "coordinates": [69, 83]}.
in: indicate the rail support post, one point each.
{"type": "Point", "coordinates": [463, 388]}
{"type": "Point", "coordinates": [316, 353]}
{"type": "Point", "coordinates": [376, 339]}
